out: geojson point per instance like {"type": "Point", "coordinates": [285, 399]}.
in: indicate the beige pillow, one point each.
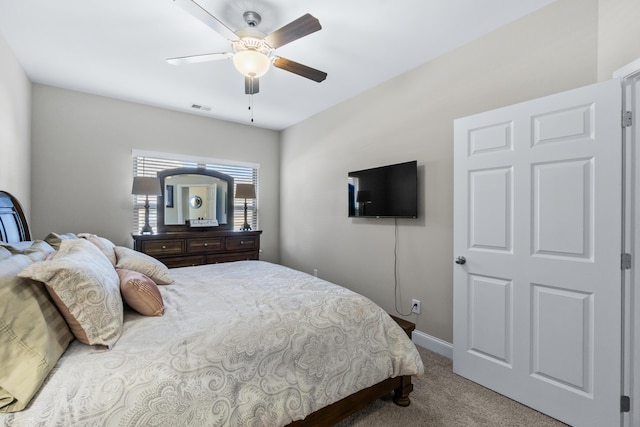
{"type": "Point", "coordinates": [104, 244]}
{"type": "Point", "coordinates": [54, 239]}
{"type": "Point", "coordinates": [140, 293]}
{"type": "Point", "coordinates": [143, 263]}
{"type": "Point", "coordinates": [86, 289]}
{"type": "Point", "coordinates": [33, 333]}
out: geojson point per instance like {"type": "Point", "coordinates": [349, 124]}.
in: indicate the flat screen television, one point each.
{"type": "Point", "coordinates": [384, 192]}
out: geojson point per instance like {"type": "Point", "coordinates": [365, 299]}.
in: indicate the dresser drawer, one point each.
{"type": "Point", "coordinates": [230, 257]}
{"type": "Point", "coordinates": [207, 245]}
{"type": "Point", "coordinates": [159, 248]}
{"type": "Point", "coordinates": [241, 243]}
{"type": "Point", "coordinates": [183, 261]}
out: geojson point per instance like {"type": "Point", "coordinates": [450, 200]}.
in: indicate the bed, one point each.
{"type": "Point", "coordinates": [245, 343]}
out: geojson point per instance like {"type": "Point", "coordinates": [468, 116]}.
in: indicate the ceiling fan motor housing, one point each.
{"type": "Point", "coordinates": [252, 19]}
{"type": "Point", "coordinates": [251, 40]}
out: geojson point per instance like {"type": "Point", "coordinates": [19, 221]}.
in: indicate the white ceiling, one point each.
{"type": "Point", "coordinates": [117, 48]}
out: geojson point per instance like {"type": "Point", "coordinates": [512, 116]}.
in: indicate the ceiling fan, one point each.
{"type": "Point", "coordinates": [252, 49]}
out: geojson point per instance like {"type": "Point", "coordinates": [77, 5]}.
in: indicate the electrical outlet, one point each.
{"type": "Point", "coordinates": [315, 272]}
{"type": "Point", "coordinates": [415, 306]}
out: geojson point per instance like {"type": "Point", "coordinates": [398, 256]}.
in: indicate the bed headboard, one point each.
{"type": "Point", "coordinates": [13, 224]}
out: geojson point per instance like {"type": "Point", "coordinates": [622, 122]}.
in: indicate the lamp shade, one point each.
{"type": "Point", "coordinates": [146, 185]}
{"type": "Point", "coordinates": [245, 191]}
{"type": "Point", "coordinates": [251, 63]}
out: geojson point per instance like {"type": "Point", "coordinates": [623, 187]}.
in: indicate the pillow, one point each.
{"type": "Point", "coordinates": [140, 293]}
{"type": "Point", "coordinates": [4, 253]}
{"type": "Point", "coordinates": [54, 239]}
{"type": "Point", "coordinates": [105, 245]}
{"type": "Point", "coordinates": [17, 247]}
{"type": "Point", "coordinates": [26, 247]}
{"type": "Point", "coordinates": [33, 333]}
{"type": "Point", "coordinates": [86, 289]}
{"type": "Point", "coordinates": [37, 248]}
{"type": "Point", "coordinates": [143, 263]}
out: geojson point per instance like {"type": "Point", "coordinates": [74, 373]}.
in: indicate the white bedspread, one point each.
{"type": "Point", "coordinates": [243, 344]}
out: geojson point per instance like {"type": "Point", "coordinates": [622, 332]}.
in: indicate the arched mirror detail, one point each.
{"type": "Point", "coordinates": [194, 194]}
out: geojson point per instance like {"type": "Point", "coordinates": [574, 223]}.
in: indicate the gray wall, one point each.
{"type": "Point", "coordinates": [411, 117]}
{"type": "Point", "coordinates": [15, 125]}
{"type": "Point", "coordinates": [82, 165]}
{"type": "Point", "coordinates": [618, 35]}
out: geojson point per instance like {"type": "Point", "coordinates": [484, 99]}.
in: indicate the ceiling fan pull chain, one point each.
{"type": "Point", "coordinates": [251, 106]}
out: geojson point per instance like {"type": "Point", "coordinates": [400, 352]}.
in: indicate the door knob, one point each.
{"type": "Point", "coordinates": [461, 260]}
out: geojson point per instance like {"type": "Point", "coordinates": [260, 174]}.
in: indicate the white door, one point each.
{"type": "Point", "coordinates": [537, 217]}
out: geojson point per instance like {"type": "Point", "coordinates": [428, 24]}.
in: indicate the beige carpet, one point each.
{"type": "Point", "coordinates": [442, 398]}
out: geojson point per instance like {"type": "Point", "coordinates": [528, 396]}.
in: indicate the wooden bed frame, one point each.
{"type": "Point", "coordinates": [330, 415]}
{"type": "Point", "coordinates": [14, 228]}
{"type": "Point", "coordinates": [13, 224]}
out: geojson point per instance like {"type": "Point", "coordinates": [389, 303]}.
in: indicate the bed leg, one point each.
{"type": "Point", "coordinates": [401, 394]}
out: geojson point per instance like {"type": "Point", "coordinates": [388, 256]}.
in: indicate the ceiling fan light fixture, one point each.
{"type": "Point", "coordinates": [251, 63]}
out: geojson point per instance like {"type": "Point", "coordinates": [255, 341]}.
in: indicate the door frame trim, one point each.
{"type": "Point", "coordinates": [631, 244]}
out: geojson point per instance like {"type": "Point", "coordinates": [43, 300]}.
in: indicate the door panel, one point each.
{"type": "Point", "coordinates": [562, 220]}
{"type": "Point", "coordinates": [537, 215]}
{"type": "Point", "coordinates": [562, 350]}
{"type": "Point", "coordinates": [490, 324]}
{"type": "Point", "coordinates": [490, 211]}
{"type": "Point", "coordinates": [573, 123]}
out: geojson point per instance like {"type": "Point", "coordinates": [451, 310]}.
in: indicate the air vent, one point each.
{"type": "Point", "coordinates": [200, 107]}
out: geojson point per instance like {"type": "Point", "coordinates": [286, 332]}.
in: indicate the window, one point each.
{"type": "Point", "coordinates": [147, 163]}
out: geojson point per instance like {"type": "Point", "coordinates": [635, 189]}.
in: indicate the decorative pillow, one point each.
{"type": "Point", "coordinates": [86, 289]}
{"type": "Point", "coordinates": [140, 293]}
{"type": "Point", "coordinates": [33, 334]}
{"type": "Point", "coordinates": [143, 263]}
{"type": "Point", "coordinates": [105, 245]}
{"type": "Point", "coordinates": [54, 239]}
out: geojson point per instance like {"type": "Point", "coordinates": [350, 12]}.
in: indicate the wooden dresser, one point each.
{"type": "Point", "coordinates": [182, 249]}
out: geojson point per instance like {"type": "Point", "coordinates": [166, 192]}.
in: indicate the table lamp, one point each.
{"type": "Point", "coordinates": [146, 186]}
{"type": "Point", "coordinates": [245, 191]}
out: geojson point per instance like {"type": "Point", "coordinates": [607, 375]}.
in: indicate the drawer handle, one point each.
{"type": "Point", "coordinates": [164, 247]}
{"type": "Point", "coordinates": [206, 244]}
{"type": "Point", "coordinates": [242, 242]}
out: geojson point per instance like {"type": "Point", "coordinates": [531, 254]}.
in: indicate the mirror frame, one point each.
{"type": "Point", "coordinates": [166, 228]}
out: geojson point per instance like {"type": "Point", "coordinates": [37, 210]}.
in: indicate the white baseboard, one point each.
{"type": "Point", "coordinates": [432, 343]}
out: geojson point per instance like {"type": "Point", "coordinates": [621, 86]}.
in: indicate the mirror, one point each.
{"type": "Point", "coordinates": [194, 193]}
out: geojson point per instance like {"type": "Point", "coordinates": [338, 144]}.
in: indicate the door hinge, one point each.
{"type": "Point", "coordinates": [625, 262]}
{"type": "Point", "coordinates": [627, 119]}
{"type": "Point", "coordinates": [625, 404]}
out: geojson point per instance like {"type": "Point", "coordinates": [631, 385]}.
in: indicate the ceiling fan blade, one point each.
{"type": "Point", "coordinates": [203, 15]}
{"type": "Point", "coordinates": [251, 85]}
{"type": "Point", "coordinates": [299, 69]}
{"type": "Point", "coordinates": [294, 30]}
{"type": "Point", "coordinates": [182, 60]}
